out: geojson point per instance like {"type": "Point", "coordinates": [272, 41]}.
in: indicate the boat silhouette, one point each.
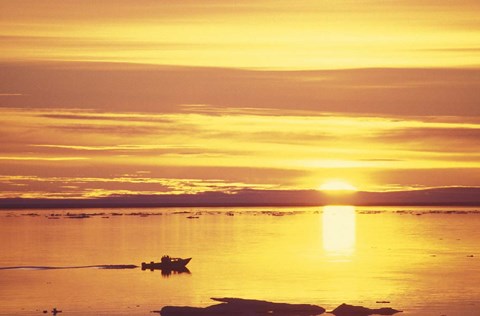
{"type": "Point", "coordinates": [167, 264]}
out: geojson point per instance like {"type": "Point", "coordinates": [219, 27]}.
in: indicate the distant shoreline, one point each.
{"type": "Point", "coordinates": [434, 197]}
{"type": "Point", "coordinates": [82, 206]}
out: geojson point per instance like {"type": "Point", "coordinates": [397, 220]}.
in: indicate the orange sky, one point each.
{"type": "Point", "coordinates": [304, 34]}
{"type": "Point", "coordinates": [121, 97]}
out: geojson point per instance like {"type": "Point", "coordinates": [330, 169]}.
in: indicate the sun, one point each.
{"type": "Point", "coordinates": [337, 185]}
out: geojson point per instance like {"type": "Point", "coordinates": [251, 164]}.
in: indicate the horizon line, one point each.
{"type": "Point", "coordinates": [443, 196]}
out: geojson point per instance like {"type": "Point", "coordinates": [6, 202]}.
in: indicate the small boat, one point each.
{"type": "Point", "coordinates": [167, 263]}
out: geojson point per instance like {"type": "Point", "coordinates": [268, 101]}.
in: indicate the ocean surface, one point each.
{"type": "Point", "coordinates": [424, 261]}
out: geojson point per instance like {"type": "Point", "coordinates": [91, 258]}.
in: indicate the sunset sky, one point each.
{"type": "Point", "coordinates": [101, 98]}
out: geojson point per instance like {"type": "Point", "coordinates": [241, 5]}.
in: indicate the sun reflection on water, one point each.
{"type": "Point", "coordinates": [339, 230]}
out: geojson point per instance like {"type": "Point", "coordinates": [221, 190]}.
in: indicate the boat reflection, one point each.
{"type": "Point", "coordinates": [169, 272]}
{"type": "Point", "coordinates": [339, 230]}
{"type": "Point", "coordinates": [166, 272]}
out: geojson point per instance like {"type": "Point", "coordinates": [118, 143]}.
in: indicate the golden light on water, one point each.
{"type": "Point", "coordinates": [339, 230]}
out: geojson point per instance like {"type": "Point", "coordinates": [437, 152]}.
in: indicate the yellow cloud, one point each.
{"type": "Point", "coordinates": [314, 144]}
{"type": "Point", "coordinates": [255, 34]}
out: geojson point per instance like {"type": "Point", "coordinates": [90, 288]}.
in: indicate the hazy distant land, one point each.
{"type": "Point", "coordinates": [453, 196]}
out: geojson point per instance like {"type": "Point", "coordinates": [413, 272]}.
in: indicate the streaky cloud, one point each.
{"type": "Point", "coordinates": [32, 158]}
{"type": "Point", "coordinates": [114, 87]}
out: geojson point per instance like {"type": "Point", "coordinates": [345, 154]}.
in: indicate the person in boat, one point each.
{"type": "Point", "coordinates": [166, 259]}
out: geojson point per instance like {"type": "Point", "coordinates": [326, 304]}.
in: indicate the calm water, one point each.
{"type": "Point", "coordinates": [420, 261]}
